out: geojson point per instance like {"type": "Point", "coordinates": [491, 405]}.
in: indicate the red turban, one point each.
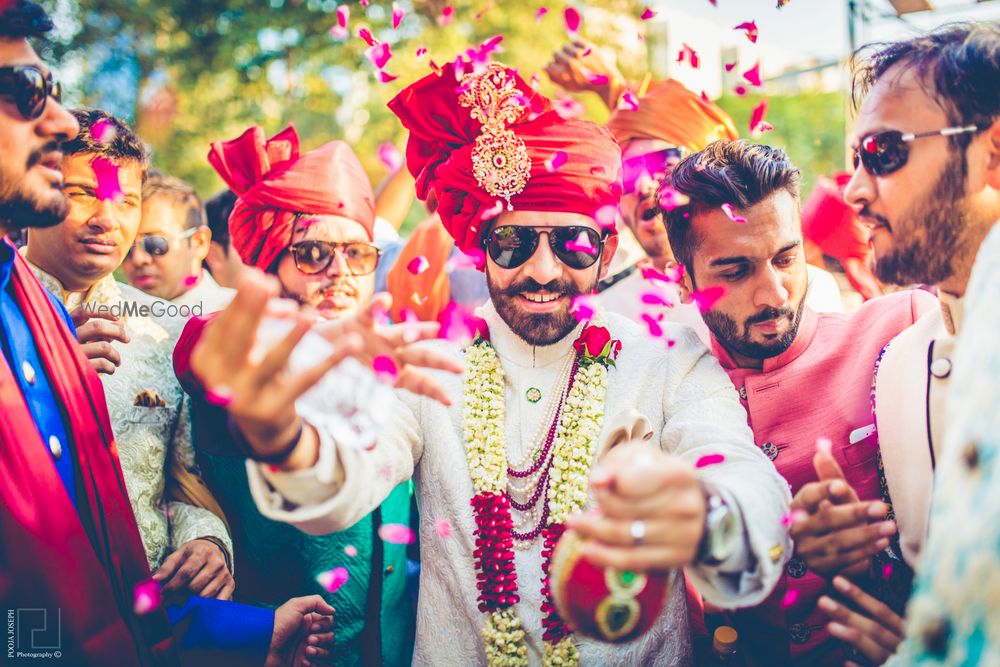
{"type": "Point", "coordinates": [273, 183]}
{"type": "Point", "coordinates": [672, 113]}
{"type": "Point", "coordinates": [830, 223]}
{"type": "Point", "coordinates": [572, 166]}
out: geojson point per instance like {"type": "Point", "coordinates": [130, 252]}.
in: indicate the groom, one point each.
{"type": "Point", "coordinates": [515, 453]}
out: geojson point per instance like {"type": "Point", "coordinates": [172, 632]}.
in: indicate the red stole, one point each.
{"type": "Point", "coordinates": [85, 560]}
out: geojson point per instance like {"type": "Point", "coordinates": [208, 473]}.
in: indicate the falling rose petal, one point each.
{"type": "Point", "coordinates": [708, 297]}
{"type": "Point", "coordinates": [791, 597]}
{"type": "Point", "coordinates": [366, 35]}
{"type": "Point", "coordinates": [555, 161]}
{"type": "Point", "coordinates": [655, 330]}
{"type": "Point", "coordinates": [671, 198]}
{"type": "Point", "coordinates": [379, 54]}
{"type": "Point", "coordinates": [447, 16]}
{"type": "Point", "coordinates": [385, 369]}
{"type": "Point", "coordinates": [350, 550]}
{"type": "Point", "coordinates": [581, 244]}
{"type": "Point", "coordinates": [190, 281]}
{"type": "Point", "coordinates": [418, 265]}
{"type": "Point", "coordinates": [343, 15]}
{"type": "Point", "coordinates": [572, 18]}
{"type": "Point", "coordinates": [690, 55]}
{"type": "Point", "coordinates": [443, 528]}
{"type": "Point", "coordinates": [607, 217]}
{"type": "Point", "coordinates": [583, 307]}
{"type": "Point", "coordinates": [384, 77]}
{"type": "Point", "coordinates": [781, 3]}
{"type": "Point", "coordinates": [751, 30]}
{"type": "Point", "coordinates": [730, 66]}
{"type": "Point", "coordinates": [568, 108]}
{"type": "Point", "coordinates": [492, 211]}
{"type": "Point", "coordinates": [710, 460]}
{"type": "Point", "coordinates": [793, 518]}
{"type": "Point", "coordinates": [740, 91]}
{"type": "Point", "coordinates": [103, 131]}
{"type": "Point", "coordinates": [458, 325]}
{"type": "Point", "coordinates": [411, 328]}
{"type": "Point", "coordinates": [757, 116]}
{"type": "Point", "coordinates": [396, 533]}
{"type": "Point", "coordinates": [752, 75]}
{"type": "Point", "coordinates": [887, 570]}
{"type": "Point", "coordinates": [364, 3]}
{"type": "Point", "coordinates": [147, 597]}
{"type": "Point", "coordinates": [597, 79]}
{"type": "Point", "coordinates": [714, 3]}
{"type": "Point", "coordinates": [648, 14]}
{"type": "Point", "coordinates": [390, 156]}
{"type": "Point", "coordinates": [654, 299]}
{"type": "Point", "coordinates": [221, 396]}
{"type": "Point", "coordinates": [421, 51]}
{"type": "Point", "coordinates": [397, 15]}
{"type": "Point", "coordinates": [628, 102]}
{"type": "Point", "coordinates": [705, 98]}
{"type": "Point", "coordinates": [762, 127]}
{"type": "Point", "coordinates": [108, 186]}
{"type": "Point", "coordinates": [668, 277]}
{"type": "Point", "coordinates": [731, 214]}
{"type": "Point", "coordinates": [542, 11]}
{"type": "Point", "coordinates": [339, 32]}
{"type": "Point", "coordinates": [333, 580]}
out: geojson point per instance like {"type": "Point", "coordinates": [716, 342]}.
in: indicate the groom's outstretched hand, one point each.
{"type": "Point", "coordinates": [303, 633]}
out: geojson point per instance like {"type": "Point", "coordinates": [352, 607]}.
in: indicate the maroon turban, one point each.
{"type": "Point", "coordinates": [563, 165]}
{"type": "Point", "coordinates": [273, 183]}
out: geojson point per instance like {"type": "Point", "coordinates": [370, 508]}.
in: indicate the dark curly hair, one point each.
{"type": "Point", "coordinates": [122, 147]}
{"type": "Point", "coordinates": [24, 19]}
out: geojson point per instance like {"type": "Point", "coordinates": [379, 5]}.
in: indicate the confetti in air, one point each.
{"type": "Point", "coordinates": [757, 123]}
{"type": "Point", "coordinates": [396, 533]}
{"type": "Point", "coordinates": [567, 107]}
{"type": "Point", "coordinates": [655, 330]}
{"type": "Point", "coordinates": [421, 51]}
{"type": "Point", "coordinates": [572, 18]}
{"type": "Point", "coordinates": [108, 186]}
{"type": "Point", "coordinates": [690, 55]}
{"type": "Point", "coordinates": [752, 75]}
{"type": "Point", "coordinates": [385, 369]}
{"type": "Point", "coordinates": [708, 297]}
{"type": "Point", "coordinates": [384, 77]}
{"type": "Point", "coordinates": [710, 460]}
{"type": "Point", "coordinates": [555, 161]}
{"type": "Point", "coordinates": [793, 518]}
{"type": "Point", "coordinates": [350, 550]}
{"type": "Point", "coordinates": [447, 16]}
{"type": "Point", "coordinates": [366, 35]}
{"type": "Point", "coordinates": [190, 281]}
{"type": "Point", "coordinates": [648, 14]}
{"type": "Point", "coordinates": [597, 79]}
{"type": "Point", "coordinates": [397, 15]}
{"type": "Point", "coordinates": [730, 66]}
{"type": "Point", "coordinates": [103, 132]}
{"type": "Point", "coordinates": [731, 214]}
{"type": "Point", "coordinates": [379, 54]}
{"type": "Point", "coordinates": [221, 396]}
{"type": "Point", "coordinates": [333, 580]}
{"type": "Point", "coordinates": [791, 597]}
{"type": "Point", "coordinates": [671, 199]}
{"type": "Point", "coordinates": [390, 156]}
{"type": "Point", "coordinates": [340, 31]}
{"type": "Point", "coordinates": [542, 11]}
{"type": "Point", "coordinates": [583, 307]}
{"type": "Point", "coordinates": [443, 527]}
{"type": "Point", "coordinates": [418, 265]}
{"type": "Point", "coordinates": [147, 597]}
{"type": "Point", "coordinates": [492, 211]}
{"type": "Point", "coordinates": [628, 102]}
{"type": "Point", "coordinates": [750, 27]}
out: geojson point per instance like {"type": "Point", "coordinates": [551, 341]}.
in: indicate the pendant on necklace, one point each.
{"type": "Point", "coordinates": [533, 394]}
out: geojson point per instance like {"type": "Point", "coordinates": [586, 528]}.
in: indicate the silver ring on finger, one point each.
{"type": "Point", "coordinates": [637, 529]}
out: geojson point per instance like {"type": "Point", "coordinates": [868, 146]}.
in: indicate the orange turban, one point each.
{"type": "Point", "coordinates": [273, 183]}
{"type": "Point", "coordinates": [534, 158]}
{"type": "Point", "coordinates": [672, 113]}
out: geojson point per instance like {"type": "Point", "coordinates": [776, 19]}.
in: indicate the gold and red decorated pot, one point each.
{"type": "Point", "coordinates": [604, 603]}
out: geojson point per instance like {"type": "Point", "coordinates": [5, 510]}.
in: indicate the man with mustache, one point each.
{"type": "Point", "coordinates": [71, 547]}
{"type": "Point", "coordinates": [514, 453]}
{"type": "Point", "coordinates": [927, 181]}
{"type": "Point", "coordinates": [804, 378]}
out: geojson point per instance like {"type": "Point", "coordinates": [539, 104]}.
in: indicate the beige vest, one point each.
{"type": "Point", "coordinates": [910, 390]}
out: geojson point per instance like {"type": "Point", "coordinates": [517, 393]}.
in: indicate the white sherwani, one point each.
{"type": "Point", "coordinates": [694, 411]}
{"type": "Point", "coordinates": [208, 294]}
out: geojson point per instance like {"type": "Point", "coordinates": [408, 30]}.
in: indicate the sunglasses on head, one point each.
{"type": "Point", "coordinates": [882, 153]}
{"type": "Point", "coordinates": [653, 165]}
{"type": "Point", "coordinates": [316, 256]}
{"type": "Point", "coordinates": [510, 246]}
{"type": "Point", "coordinates": [157, 245]}
{"type": "Point", "coordinates": [30, 88]}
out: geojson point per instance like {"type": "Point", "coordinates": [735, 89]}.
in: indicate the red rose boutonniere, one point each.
{"type": "Point", "coordinates": [595, 345]}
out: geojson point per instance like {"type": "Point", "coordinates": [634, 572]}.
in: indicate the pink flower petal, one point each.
{"type": "Point", "coordinates": [492, 211]}
{"type": "Point", "coordinates": [411, 330]}
{"type": "Point", "coordinates": [443, 527]}
{"type": "Point", "coordinates": [147, 597]}
{"type": "Point", "coordinates": [730, 66]}
{"type": "Point", "coordinates": [221, 396]}
{"type": "Point", "coordinates": [366, 35]}
{"type": "Point", "coordinates": [762, 127]}
{"type": "Point", "coordinates": [581, 244]}
{"type": "Point", "coordinates": [572, 18]}
{"type": "Point", "coordinates": [648, 14]}
{"type": "Point", "coordinates": [628, 102]}
{"type": "Point", "coordinates": [757, 116]}
{"type": "Point", "coordinates": [740, 91]}
{"type": "Point", "coordinates": [654, 299]}
{"type": "Point", "coordinates": [333, 580]}
{"type": "Point", "coordinates": [708, 297]}
{"type": "Point", "coordinates": [791, 597]}
{"type": "Point", "coordinates": [887, 570]}
{"type": "Point", "coordinates": [728, 210]}
{"type": "Point", "coordinates": [190, 281]}
{"type": "Point", "coordinates": [379, 54]}
{"type": "Point", "coordinates": [542, 11]}
{"type": "Point", "coordinates": [390, 156]}
{"type": "Point", "coordinates": [103, 131]}
{"type": "Point", "coordinates": [421, 51]}
{"type": "Point", "coordinates": [447, 16]}
{"type": "Point", "coordinates": [343, 15]}
{"type": "Point", "coordinates": [350, 550]}
{"type": "Point", "coordinates": [339, 32]}
{"type": "Point", "coordinates": [458, 325]}
{"type": "Point", "coordinates": [384, 77]}
{"type": "Point", "coordinates": [751, 30]}
{"type": "Point", "coordinates": [655, 330]}
{"type": "Point", "coordinates": [793, 517]}
{"type": "Point", "coordinates": [396, 533]}
{"type": "Point", "coordinates": [567, 107]}
{"type": "Point", "coordinates": [710, 460]}
{"type": "Point", "coordinates": [670, 276]}
{"type": "Point", "coordinates": [108, 186]}
{"type": "Point", "coordinates": [607, 217]}
{"type": "Point", "coordinates": [385, 369]}
{"type": "Point", "coordinates": [583, 307]}
{"type": "Point", "coordinates": [705, 98]}
{"type": "Point", "coordinates": [597, 79]}
{"type": "Point", "coordinates": [555, 161]}
{"type": "Point", "coordinates": [397, 15]}
{"type": "Point", "coordinates": [364, 3]}
{"type": "Point", "coordinates": [752, 75]}
{"type": "Point", "coordinates": [418, 265]}
{"type": "Point", "coordinates": [690, 55]}
{"type": "Point", "coordinates": [671, 199]}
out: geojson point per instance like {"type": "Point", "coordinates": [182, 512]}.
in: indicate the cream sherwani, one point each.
{"type": "Point", "coordinates": [208, 294]}
{"type": "Point", "coordinates": [147, 435]}
{"type": "Point", "coordinates": [694, 411]}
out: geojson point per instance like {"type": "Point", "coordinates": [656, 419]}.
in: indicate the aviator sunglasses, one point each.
{"type": "Point", "coordinates": [883, 153]}
{"type": "Point", "coordinates": [30, 88]}
{"type": "Point", "coordinates": [156, 245]}
{"type": "Point", "coordinates": [510, 246]}
{"type": "Point", "coordinates": [316, 256]}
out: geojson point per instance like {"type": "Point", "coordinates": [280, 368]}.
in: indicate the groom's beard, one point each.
{"type": "Point", "coordinates": [536, 328]}
{"type": "Point", "coordinates": [20, 209]}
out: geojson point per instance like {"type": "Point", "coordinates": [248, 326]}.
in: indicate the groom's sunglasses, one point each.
{"type": "Point", "coordinates": [30, 88]}
{"type": "Point", "coordinates": [883, 153]}
{"type": "Point", "coordinates": [510, 246]}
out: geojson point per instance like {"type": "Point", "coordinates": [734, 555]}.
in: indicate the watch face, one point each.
{"type": "Point", "coordinates": [722, 540]}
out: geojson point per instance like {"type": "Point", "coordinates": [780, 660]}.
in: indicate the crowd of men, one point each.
{"type": "Point", "coordinates": [623, 335]}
